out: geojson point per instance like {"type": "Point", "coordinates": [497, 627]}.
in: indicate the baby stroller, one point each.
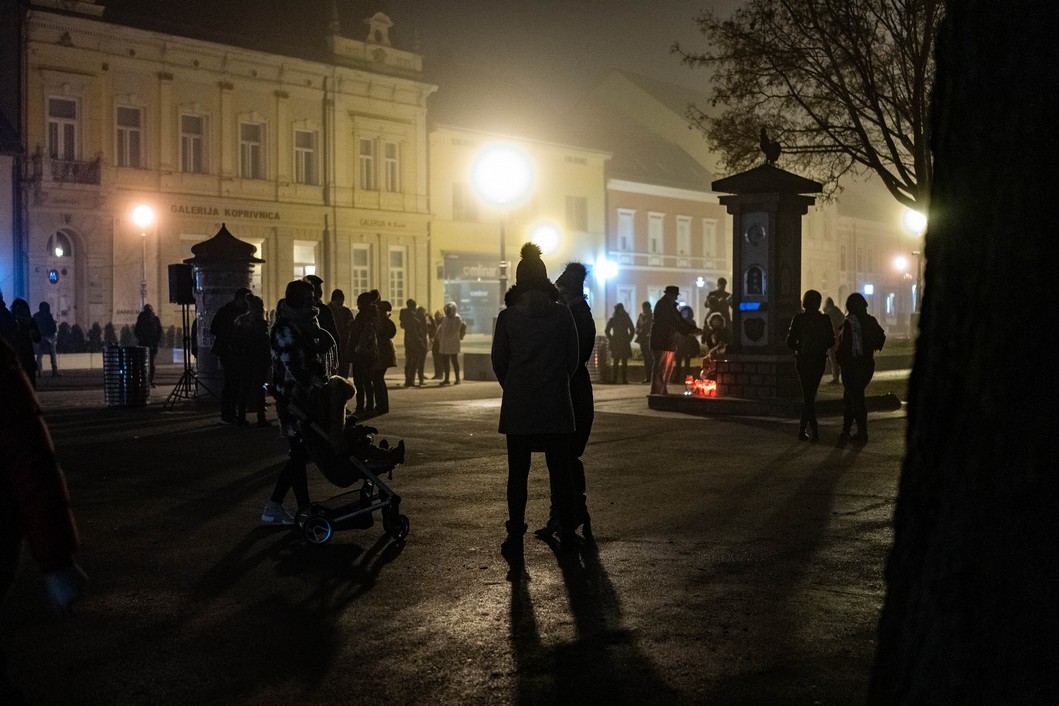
{"type": "Point", "coordinates": [345, 455]}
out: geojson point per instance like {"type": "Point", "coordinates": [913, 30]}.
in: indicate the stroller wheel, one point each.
{"type": "Point", "coordinates": [397, 527]}
{"type": "Point", "coordinates": [317, 529]}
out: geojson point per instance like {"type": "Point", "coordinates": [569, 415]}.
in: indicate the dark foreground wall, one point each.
{"type": "Point", "coordinates": [971, 609]}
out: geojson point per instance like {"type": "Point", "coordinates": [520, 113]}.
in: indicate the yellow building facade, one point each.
{"type": "Point", "coordinates": [321, 165]}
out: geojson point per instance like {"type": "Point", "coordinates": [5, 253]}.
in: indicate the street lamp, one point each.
{"type": "Point", "coordinates": [143, 216]}
{"type": "Point", "coordinates": [915, 223]}
{"type": "Point", "coordinates": [502, 175]}
{"type": "Point", "coordinates": [547, 237]}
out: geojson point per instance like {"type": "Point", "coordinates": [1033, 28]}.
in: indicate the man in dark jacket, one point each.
{"type": "Point", "coordinates": [667, 331]}
{"type": "Point", "coordinates": [148, 332]}
{"type": "Point", "coordinates": [325, 316]}
{"type": "Point", "coordinates": [411, 342]}
{"type": "Point", "coordinates": [222, 327]}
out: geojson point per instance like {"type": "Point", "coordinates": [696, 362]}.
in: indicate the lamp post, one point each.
{"type": "Point", "coordinates": [143, 216]}
{"type": "Point", "coordinates": [502, 175]}
{"type": "Point", "coordinates": [915, 223]}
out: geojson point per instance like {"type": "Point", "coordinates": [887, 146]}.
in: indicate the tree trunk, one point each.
{"type": "Point", "coordinates": [973, 578]}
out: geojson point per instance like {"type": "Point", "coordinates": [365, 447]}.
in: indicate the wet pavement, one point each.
{"type": "Point", "coordinates": [732, 564]}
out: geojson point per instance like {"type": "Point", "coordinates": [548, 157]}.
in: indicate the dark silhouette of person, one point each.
{"type": "Point", "coordinates": [810, 336]}
{"type": "Point", "coordinates": [835, 314]}
{"type": "Point", "coordinates": [221, 328]}
{"type": "Point", "coordinates": [619, 332]}
{"type": "Point", "coordinates": [8, 325]}
{"type": "Point", "coordinates": [716, 338]}
{"type": "Point", "coordinates": [435, 345]}
{"type": "Point", "coordinates": [148, 332]}
{"type": "Point", "coordinates": [450, 332]}
{"type": "Point", "coordinates": [534, 355]}
{"type": "Point", "coordinates": [571, 285]}
{"type": "Point", "coordinates": [667, 332]}
{"type": "Point", "coordinates": [49, 329]}
{"type": "Point", "coordinates": [859, 338]}
{"type": "Point", "coordinates": [26, 335]}
{"type": "Point", "coordinates": [720, 301]}
{"type": "Point", "coordinates": [365, 339]}
{"type": "Point", "coordinates": [423, 336]}
{"type": "Point", "coordinates": [410, 326]}
{"type": "Point", "coordinates": [687, 348]}
{"type": "Point", "coordinates": [343, 317]}
{"type": "Point", "coordinates": [325, 316]}
{"type": "Point", "coordinates": [386, 331]}
{"type": "Point", "coordinates": [253, 359]}
{"type": "Point", "coordinates": [301, 351]}
{"type": "Point", "coordinates": [644, 323]}
{"type": "Point", "coordinates": [34, 502]}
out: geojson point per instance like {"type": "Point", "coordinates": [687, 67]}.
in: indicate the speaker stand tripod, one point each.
{"type": "Point", "coordinates": [187, 387]}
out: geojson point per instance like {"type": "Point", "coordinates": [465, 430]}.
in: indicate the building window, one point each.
{"type": "Point", "coordinates": [59, 245]}
{"type": "Point", "coordinates": [361, 276]}
{"type": "Point", "coordinates": [655, 224]}
{"type": "Point", "coordinates": [304, 157]}
{"type": "Point", "coordinates": [398, 275]}
{"type": "Point", "coordinates": [129, 137]}
{"type": "Point", "coordinates": [391, 167]}
{"type": "Point", "coordinates": [193, 144]}
{"type": "Point", "coordinates": [367, 165]}
{"type": "Point", "coordinates": [626, 296]}
{"type": "Point", "coordinates": [62, 128]}
{"type": "Point", "coordinates": [577, 213]}
{"type": "Point", "coordinates": [626, 229]}
{"type": "Point", "coordinates": [710, 247]}
{"type": "Point", "coordinates": [252, 150]}
{"type": "Point", "coordinates": [304, 258]}
{"type": "Point", "coordinates": [464, 203]}
{"type": "Point", "coordinates": [683, 235]}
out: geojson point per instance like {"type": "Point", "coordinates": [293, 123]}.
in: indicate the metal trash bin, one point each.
{"type": "Point", "coordinates": [125, 376]}
{"type": "Point", "coordinates": [599, 364]}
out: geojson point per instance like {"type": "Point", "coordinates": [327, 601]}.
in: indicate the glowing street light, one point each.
{"type": "Point", "coordinates": [547, 237]}
{"type": "Point", "coordinates": [913, 221]}
{"type": "Point", "coordinates": [502, 175]}
{"type": "Point", "coordinates": [143, 216]}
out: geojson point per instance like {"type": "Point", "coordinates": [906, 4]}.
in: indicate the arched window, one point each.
{"type": "Point", "coordinates": [59, 245]}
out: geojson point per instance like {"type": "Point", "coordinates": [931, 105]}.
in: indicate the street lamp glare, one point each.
{"type": "Point", "coordinates": [900, 263]}
{"type": "Point", "coordinates": [143, 216]}
{"type": "Point", "coordinates": [914, 221]}
{"type": "Point", "coordinates": [502, 174]}
{"type": "Point", "coordinates": [546, 237]}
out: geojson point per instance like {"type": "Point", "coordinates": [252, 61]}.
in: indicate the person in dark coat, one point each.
{"type": "Point", "coordinates": [687, 349]}
{"type": "Point", "coordinates": [34, 502]}
{"type": "Point", "coordinates": [325, 316]}
{"type": "Point", "coordinates": [837, 319]}
{"type": "Point", "coordinates": [222, 328]}
{"type": "Point", "coordinates": [148, 332]}
{"type": "Point", "coordinates": [253, 360]}
{"type": "Point", "coordinates": [365, 340]}
{"type": "Point", "coordinates": [386, 331]}
{"type": "Point", "coordinates": [423, 335]}
{"type": "Point", "coordinates": [26, 335]}
{"type": "Point", "coordinates": [435, 344]}
{"type": "Point", "coordinates": [667, 331]}
{"type": "Point", "coordinates": [859, 338]}
{"type": "Point", "coordinates": [410, 326]}
{"type": "Point", "coordinates": [571, 285]}
{"type": "Point", "coordinates": [810, 336]}
{"type": "Point", "coordinates": [343, 317]}
{"type": "Point", "coordinates": [619, 333]}
{"type": "Point", "coordinates": [48, 329]}
{"type": "Point", "coordinates": [534, 355]}
{"type": "Point", "coordinates": [719, 301]}
{"type": "Point", "coordinates": [644, 322]}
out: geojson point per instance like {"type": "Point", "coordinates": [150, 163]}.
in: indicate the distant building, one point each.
{"type": "Point", "coordinates": [316, 153]}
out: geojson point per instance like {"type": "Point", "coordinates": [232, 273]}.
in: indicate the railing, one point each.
{"type": "Point", "coordinates": [74, 171]}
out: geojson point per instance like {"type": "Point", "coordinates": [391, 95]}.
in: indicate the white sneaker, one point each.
{"type": "Point", "coordinates": [276, 514]}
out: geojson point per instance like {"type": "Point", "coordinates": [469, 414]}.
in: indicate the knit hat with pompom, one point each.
{"type": "Point", "coordinates": [531, 268]}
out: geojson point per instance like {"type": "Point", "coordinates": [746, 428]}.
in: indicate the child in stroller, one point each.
{"type": "Point", "coordinates": [345, 453]}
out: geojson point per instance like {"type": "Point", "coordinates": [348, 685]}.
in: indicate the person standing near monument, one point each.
{"type": "Point", "coordinates": [810, 336]}
{"type": "Point", "coordinates": [644, 322]}
{"type": "Point", "coordinates": [835, 314]}
{"type": "Point", "coordinates": [222, 327]}
{"type": "Point", "coordinates": [667, 332]}
{"type": "Point", "coordinates": [859, 338]}
{"type": "Point", "coordinates": [720, 301]}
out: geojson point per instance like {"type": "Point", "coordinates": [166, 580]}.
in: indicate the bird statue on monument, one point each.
{"type": "Point", "coordinates": [770, 148]}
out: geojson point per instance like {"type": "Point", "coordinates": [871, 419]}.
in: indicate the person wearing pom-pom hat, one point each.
{"type": "Point", "coordinates": [534, 355]}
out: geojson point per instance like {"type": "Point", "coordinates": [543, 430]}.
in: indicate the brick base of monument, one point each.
{"type": "Point", "coordinates": [758, 377]}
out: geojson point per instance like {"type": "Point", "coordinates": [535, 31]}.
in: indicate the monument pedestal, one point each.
{"type": "Point", "coordinates": [758, 376]}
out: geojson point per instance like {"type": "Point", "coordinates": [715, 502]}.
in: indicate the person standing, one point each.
{"type": "Point", "coordinates": [300, 354]}
{"type": "Point", "coordinates": [148, 332]}
{"type": "Point", "coordinates": [48, 329]}
{"type": "Point", "coordinates": [667, 331]}
{"type": "Point", "coordinates": [432, 335]}
{"type": "Point", "coordinates": [26, 335]}
{"type": "Point", "coordinates": [860, 337]}
{"type": "Point", "coordinates": [423, 336]}
{"type": "Point", "coordinates": [34, 502]}
{"type": "Point", "coordinates": [715, 338]}
{"type": "Point", "coordinates": [343, 317]}
{"type": "Point", "coordinates": [810, 336]}
{"type": "Point", "coordinates": [253, 360]}
{"type": "Point", "coordinates": [836, 317]}
{"type": "Point", "coordinates": [720, 301]}
{"type": "Point", "coordinates": [222, 328]}
{"type": "Point", "coordinates": [644, 322]}
{"type": "Point", "coordinates": [324, 316]}
{"type": "Point", "coordinates": [450, 333]}
{"type": "Point", "coordinates": [619, 333]}
{"type": "Point", "coordinates": [534, 356]}
{"type": "Point", "coordinates": [365, 340]}
{"type": "Point", "coordinates": [410, 327]}
{"type": "Point", "coordinates": [386, 330]}
{"type": "Point", "coordinates": [687, 348]}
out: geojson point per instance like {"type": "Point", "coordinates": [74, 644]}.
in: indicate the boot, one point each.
{"type": "Point", "coordinates": [512, 547]}
{"type": "Point", "coordinates": [814, 431]}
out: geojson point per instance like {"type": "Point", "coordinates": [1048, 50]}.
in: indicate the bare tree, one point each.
{"type": "Point", "coordinates": [843, 85]}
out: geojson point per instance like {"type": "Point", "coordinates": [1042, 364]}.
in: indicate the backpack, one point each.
{"type": "Point", "coordinates": [367, 346]}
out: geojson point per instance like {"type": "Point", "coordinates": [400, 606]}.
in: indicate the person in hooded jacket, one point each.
{"type": "Point", "coordinates": [571, 285]}
{"type": "Point", "coordinates": [450, 333]}
{"type": "Point", "coordinates": [148, 332]}
{"type": "Point", "coordinates": [534, 355]}
{"type": "Point", "coordinates": [619, 332]}
{"type": "Point", "coordinates": [365, 356]}
{"type": "Point", "coordinates": [48, 329]}
{"type": "Point", "coordinates": [810, 336]}
{"type": "Point", "coordinates": [385, 331]}
{"type": "Point", "coordinates": [860, 337]}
